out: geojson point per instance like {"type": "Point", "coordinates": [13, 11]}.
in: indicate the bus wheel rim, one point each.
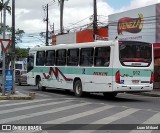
{"type": "Point", "coordinates": [78, 89]}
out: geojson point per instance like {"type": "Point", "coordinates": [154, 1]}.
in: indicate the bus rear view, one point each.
{"type": "Point", "coordinates": [134, 67]}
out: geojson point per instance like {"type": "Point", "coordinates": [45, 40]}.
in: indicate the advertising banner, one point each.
{"type": "Point", "coordinates": [8, 85]}
{"type": "Point", "coordinates": [136, 25]}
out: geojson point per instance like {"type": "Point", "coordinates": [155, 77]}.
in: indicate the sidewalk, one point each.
{"type": "Point", "coordinates": [17, 96]}
{"type": "Point", "coordinates": [154, 93]}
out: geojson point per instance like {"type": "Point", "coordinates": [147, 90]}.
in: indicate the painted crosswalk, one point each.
{"type": "Point", "coordinates": [20, 117]}
{"type": "Point", "coordinates": [68, 110]}
{"type": "Point", "coordinates": [155, 119]}
{"type": "Point", "coordinates": [76, 116]}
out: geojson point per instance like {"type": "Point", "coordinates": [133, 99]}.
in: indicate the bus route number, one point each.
{"type": "Point", "coordinates": [136, 72]}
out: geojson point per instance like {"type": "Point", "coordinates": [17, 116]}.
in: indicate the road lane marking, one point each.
{"type": "Point", "coordinates": [116, 116]}
{"type": "Point", "coordinates": [21, 103]}
{"type": "Point", "coordinates": [152, 120]}
{"type": "Point", "coordinates": [155, 119]}
{"type": "Point", "coordinates": [3, 101]}
{"type": "Point", "coordinates": [33, 106]}
{"type": "Point", "coordinates": [79, 115]}
{"type": "Point", "coordinates": [107, 120]}
{"type": "Point", "coordinates": [20, 117]}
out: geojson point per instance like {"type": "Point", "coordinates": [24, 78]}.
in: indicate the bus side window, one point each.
{"type": "Point", "coordinates": [73, 57]}
{"type": "Point", "coordinates": [98, 57]}
{"type": "Point", "coordinates": [102, 56]}
{"type": "Point", "coordinates": [107, 56]}
{"type": "Point", "coordinates": [61, 57]}
{"type": "Point", "coordinates": [50, 58]}
{"type": "Point", "coordinates": [86, 58]}
{"type": "Point", "coordinates": [40, 58]}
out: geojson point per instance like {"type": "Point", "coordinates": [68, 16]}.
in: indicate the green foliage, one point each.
{"type": "Point", "coordinates": [8, 8]}
{"type": "Point", "coordinates": [8, 29]}
{"type": "Point", "coordinates": [18, 33]}
{"type": "Point", "coordinates": [21, 53]}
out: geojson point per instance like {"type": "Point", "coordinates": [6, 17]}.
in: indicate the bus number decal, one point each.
{"type": "Point", "coordinates": [136, 72]}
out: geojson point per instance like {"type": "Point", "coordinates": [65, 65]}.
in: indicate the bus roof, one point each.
{"type": "Point", "coordinates": [76, 45]}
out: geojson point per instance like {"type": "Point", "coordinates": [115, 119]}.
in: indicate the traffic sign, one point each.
{"type": "Point", "coordinates": [5, 44]}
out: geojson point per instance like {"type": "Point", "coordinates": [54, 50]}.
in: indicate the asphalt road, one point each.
{"type": "Point", "coordinates": [61, 107]}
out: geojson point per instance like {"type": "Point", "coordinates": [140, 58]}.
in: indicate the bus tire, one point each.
{"type": "Point", "coordinates": [78, 91]}
{"type": "Point", "coordinates": [109, 95]}
{"type": "Point", "coordinates": [39, 85]}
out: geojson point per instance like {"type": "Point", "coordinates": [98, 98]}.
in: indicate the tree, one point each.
{"type": "Point", "coordinates": [8, 29]}
{"type": "Point", "coordinates": [19, 33]}
{"type": "Point", "coordinates": [21, 53]}
{"type": "Point", "coordinates": [8, 8]}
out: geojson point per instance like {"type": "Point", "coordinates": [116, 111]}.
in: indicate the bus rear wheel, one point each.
{"type": "Point", "coordinates": [39, 85]}
{"type": "Point", "coordinates": [110, 94]}
{"type": "Point", "coordinates": [78, 91]}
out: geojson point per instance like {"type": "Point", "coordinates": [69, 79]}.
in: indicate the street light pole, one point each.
{"type": "Point", "coordinates": [61, 2]}
{"type": "Point", "coordinates": [61, 15]}
{"type": "Point", "coordinates": [95, 19]}
{"type": "Point", "coordinates": [1, 12]}
{"type": "Point", "coordinates": [13, 45]}
{"type": "Point", "coordinates": [47, 27]}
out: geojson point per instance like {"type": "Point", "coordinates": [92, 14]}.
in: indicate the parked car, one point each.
{"type": "Point", "coordinates": [20, 77]}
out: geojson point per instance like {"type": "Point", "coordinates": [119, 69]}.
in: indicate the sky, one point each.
{"type": "Point", "coordinates": [30, 15]}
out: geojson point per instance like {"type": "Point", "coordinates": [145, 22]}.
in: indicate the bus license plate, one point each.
{"type": "Point", "coordinates": [135, 81]}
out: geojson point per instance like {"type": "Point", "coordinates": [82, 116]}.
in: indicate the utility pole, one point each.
{"type": "Point", "coordinates": [47, 27]}
{"type": "Point", "coordinates": [13, 46]}
{"type": "Point", "coordinates": [1, 12]}
{"type": "Point", "coordinates": [95, 19]}
{"type": "Point", "coordinates": [53, 29]}
{"type": "Point", "coordinates": [4, 35]}
{"type": "Point", "coordinates": [61, 15]}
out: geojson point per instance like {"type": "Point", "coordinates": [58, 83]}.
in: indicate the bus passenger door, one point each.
{"type": "Point", "coordinates": [30, 73]}
{"type": "Point", "coordinates": [101, 81]}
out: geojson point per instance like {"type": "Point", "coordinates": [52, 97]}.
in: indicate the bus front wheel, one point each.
{"type": "Point", "coordinates": [78, 91]}
{"type": "Point", "coordinates": [39, 85]}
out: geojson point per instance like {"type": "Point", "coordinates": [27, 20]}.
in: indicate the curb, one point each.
{"type": "Point", "coordinates": [146, 94]}
{"type": "Point", "coordinates": [19, 97]}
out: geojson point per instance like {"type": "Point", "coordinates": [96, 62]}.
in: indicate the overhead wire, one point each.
{"type": "Point", "coordinates": [149, 20]}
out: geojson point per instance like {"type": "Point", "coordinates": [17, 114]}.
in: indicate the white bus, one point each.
{"type": "Point", "coordinates": [109, 67]}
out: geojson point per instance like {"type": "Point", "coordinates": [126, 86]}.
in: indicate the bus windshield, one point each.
{"type": "Point", "coordinates": [135, 53]}
{"type": "Point", "coordinates": [18, 66]}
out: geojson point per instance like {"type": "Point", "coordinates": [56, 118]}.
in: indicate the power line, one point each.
{"type": "Point", "coordinates": [51, 2]}
{"type": "Point", "coordinates": [77, 22]}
